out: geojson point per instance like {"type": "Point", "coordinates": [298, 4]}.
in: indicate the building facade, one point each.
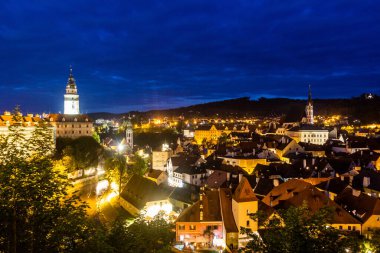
{"type": "Point", "coordinates": [71, 126]}
{"type": "Point", "coordinates": [309, 134]}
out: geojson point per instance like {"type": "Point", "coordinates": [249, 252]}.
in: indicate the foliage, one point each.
{"type": "Point", "coordinates": [142, 236]}
{"type": "Point", "coordinates": [96, 137]}
{"type": "Point", "coordinates": [79, 153]}
{"type": "Point", "coordinates": [115, 168]}
{"type": "Point", "coordinates": [138, 167]}
{"type": "Point", "coordinates": [37, 215]}
{"type": "Point", "coordinates": [222, 138]}
{"type": "Point", "coordinates": [154, 137]}
{"type": "Point", "coordinates": [297, 229]}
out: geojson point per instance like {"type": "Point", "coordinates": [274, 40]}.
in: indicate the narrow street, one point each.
{"type": "Point", "coordinates": [107, 209]}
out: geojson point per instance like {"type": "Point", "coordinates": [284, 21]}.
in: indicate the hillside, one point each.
{"type": "Point", "coordinates": [366, 110]}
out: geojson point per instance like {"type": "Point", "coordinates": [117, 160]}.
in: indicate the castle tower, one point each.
{"type": "Point", "coordinates": [129, 135]}
{"type": "Point", "coordinates": [71, 104]}
{"type": "Point", "coordinates": [309, 109]}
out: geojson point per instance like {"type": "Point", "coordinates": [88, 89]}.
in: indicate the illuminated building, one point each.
{"type": "Point", "coordinates": [71, 124]}
{"type": "Point", "coordinates": [309, 134]}
{"type": "Point", "coordinates": [160, 159]}
{"type": "Point", "coordinates": [213, 132]}
{"type": "Point", "coordinates": [129, 135]}
{"type": "Point", "coordinates": [27, 123]}
{"type": "Point", "coordinates": [221, 212]}
{"type": "Point", "coordinates": [71, 104]}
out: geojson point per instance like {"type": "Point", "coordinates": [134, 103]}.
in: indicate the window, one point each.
{"type": "Point", "coordinates": [215, 227]}
{"type": "Point", "coordinates": [192, 227]}
{"type": "Point", "coordinates": [340, 227]}
{"type": "Point", "coordinates": [247, 223]}
{"type": "Point", "coordinates": [181, 227]}
{"type": "Point", "coordinates": [353, 228]}
{"type": "Point", "coordinates": [349, 227]}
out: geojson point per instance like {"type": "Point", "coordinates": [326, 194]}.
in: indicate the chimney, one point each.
{"type": "Point", "coordinates": [313, 161]}
{"type": "Point", "coordinates": [275, 182]}
{"type": "Point", "coordinates": [366, 181]}
{"type": "Point", "coordinates": [240, 177]}
{"type": "Point", "coordinates": [304, 163]}
{"type": "Point", "coordinates": [253, 151]}
{"type": "Point", "coordinates": [228, 176]}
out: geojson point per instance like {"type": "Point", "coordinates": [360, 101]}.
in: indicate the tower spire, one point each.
{"type": "Point", "coordinates": [310, 101]}
{"type": "Point", "coordinates": [309, 109]}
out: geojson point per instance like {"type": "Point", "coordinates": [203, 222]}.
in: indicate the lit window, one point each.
{"type": "Point", "coordinates": [192, 227]}
{"type": "Point", "coordinates": [181, 227]}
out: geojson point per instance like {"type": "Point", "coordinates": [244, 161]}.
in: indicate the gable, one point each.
{"type": "Point", "coordinates": [244, 192]}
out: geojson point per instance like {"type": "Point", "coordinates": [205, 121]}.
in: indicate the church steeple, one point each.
{"type": "Point", "coordinates": [309, 109]}
{"type": "Point", "coordinates": [309, 100]}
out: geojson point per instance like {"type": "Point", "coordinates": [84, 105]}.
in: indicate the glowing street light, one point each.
{"type": "Point", "coordinates": [120, 148]}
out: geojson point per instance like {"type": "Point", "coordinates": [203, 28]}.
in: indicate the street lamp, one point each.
{"type": "Point", "coordinates": [120, 148]}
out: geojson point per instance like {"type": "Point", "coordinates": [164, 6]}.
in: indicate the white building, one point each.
{"type": "Point", "coordinates": [129, 135]}
{"type": "Point", "coordinates": [71, 103]}
{"type": "Point", "coordinates": [160, 159]}
{"type": "Point", "coordinates": [309, 134]}
{"type": "Point", "coordinates": [71, 124]}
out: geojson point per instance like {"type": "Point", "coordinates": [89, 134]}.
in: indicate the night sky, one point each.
{"type": "Point", "coordinates": [141, 55]}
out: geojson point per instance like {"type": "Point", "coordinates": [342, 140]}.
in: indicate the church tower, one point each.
{"type": "Point", "coordinates": [129, 135]}
{"type": "Point", "coordinates": [71, 103]}
{"type": "Point", "coordinates": [309, 109]}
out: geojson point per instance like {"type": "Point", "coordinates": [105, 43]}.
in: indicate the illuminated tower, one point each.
{"type": "Point", "coordinates": [309, 109]}
{"type": "Point", "coordinates": [129, 135]}
{"type": "Point", "coordinates": [71, 96]}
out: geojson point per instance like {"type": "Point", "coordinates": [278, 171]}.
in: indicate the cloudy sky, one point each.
{"type": "Point", "coordinates": [141, 55]}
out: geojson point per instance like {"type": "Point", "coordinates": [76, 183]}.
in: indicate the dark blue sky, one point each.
{"type": "Point", "coordinates": [159, 54]}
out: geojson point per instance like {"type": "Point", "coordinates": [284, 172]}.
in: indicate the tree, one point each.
{"type": "Point", "coordinates": [142, 236]}
{"type": "Point", "coordinates": [139, 166]}
{"type": "Point", "coordinates": [222, 138]}
{"type": "Point", "coordinates": [80, 153]}
{"type": "Point", "coordinates": [36, 212]}
{"type": "Point", "coordinates": [297, 229]}
{"type": "Point", "coordinates": [115, 167]}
